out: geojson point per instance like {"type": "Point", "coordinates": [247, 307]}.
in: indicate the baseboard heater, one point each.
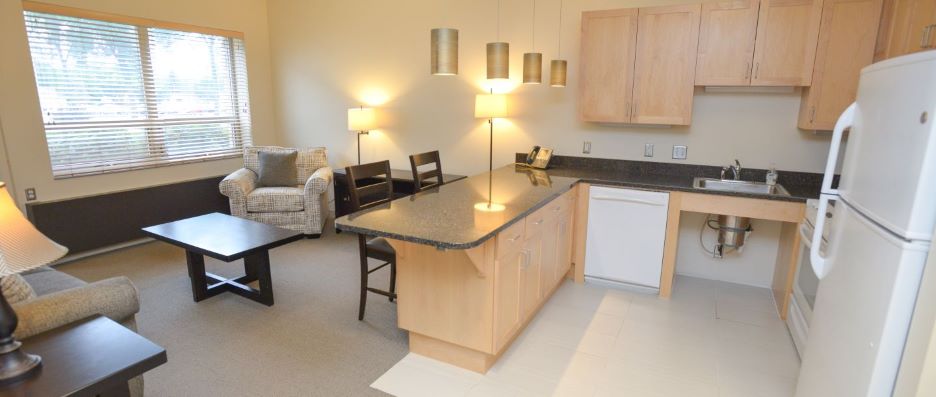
{"type": "Point", "coordinates": [99, 221]}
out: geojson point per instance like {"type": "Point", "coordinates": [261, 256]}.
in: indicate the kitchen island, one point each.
{"type": "Point", "coordinates": [478, 257]}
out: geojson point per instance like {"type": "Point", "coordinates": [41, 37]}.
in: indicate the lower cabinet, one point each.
{"type": "Point", "coordinates": [532, 257]}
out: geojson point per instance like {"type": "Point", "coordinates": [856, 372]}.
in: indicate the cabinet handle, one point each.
{"type": "Point", "coordinates": [756, 70]}
{"type": "Point", "coordinates": [747, 70]}
{"type": "Point", "coordinates": [514, 239]}
{"type": "Point", "coordinates": [539, 222]}
{"type": "Point", "coordinates": [812, 114]}
{"type": "Point", "coordinates": [557, 209]}
{"type": "Point", "coordinates": [525, 260]}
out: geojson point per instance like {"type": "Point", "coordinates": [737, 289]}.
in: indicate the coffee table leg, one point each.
{"type": "Point", "coordinates": [260, 263]}
{"type": "Point", "coordinates": [196, 268]}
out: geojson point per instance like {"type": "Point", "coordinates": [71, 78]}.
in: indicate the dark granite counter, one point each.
{"type": "Point", "coordinates": [447, 217]}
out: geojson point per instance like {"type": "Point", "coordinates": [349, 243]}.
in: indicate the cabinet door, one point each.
{"type": "Point", "coordinates": [550, 252]}
{"type": "Point", "coordinates": [913, 27]}
{"type": "Point", "coordinates": [606, 65]}
{"type": "Point", "coordinates": [507, 316]}
{"type": "Point", "coordinates": [664, 70]}
{"type": "Point", "coordinates": [726, 43]}
{"type": "Point", "coordinates": [846, 44]}
{"type": "Point", "coordinates": [787, 31]}
{"type": "Point", "coordinates": [530, 276]}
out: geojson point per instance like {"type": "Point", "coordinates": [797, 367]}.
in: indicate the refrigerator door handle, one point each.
{"type": "Point", "coordinates": [847, 119]}
{"type": "Point", "coordinates": [819, 263]}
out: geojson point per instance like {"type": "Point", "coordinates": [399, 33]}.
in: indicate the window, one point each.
{"type": "Point", "coordinates": [119, 96]}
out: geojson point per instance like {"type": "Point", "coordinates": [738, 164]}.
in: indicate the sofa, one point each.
{"type": "Point", "coordinates": [62, 299]}
{"type": "Point", "coordinates": [302, 207]}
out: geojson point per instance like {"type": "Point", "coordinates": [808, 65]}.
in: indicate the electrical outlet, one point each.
{"type": "Point", "coordinates": [586, 147]}
{"type": "Point", "coordinates": [31, 194]}
{"type": "Point", "coordinates": [648, 150]}
{"type": "Point", "coordinates": [680, 152]}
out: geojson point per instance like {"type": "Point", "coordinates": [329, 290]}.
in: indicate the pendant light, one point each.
{"type": "Point", "coordinates": [498, 55]}
{"type": "Point", "coordinates": [533, 61]}
{"type": "Point", "coordinates": [557, 68]}
{"type": "Point", "coordinates": [444, 58]}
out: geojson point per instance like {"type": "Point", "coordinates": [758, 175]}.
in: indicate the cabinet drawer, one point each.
{"type": "Point", "coordinates": [538, 220]}
{"type": "Point", "coordinates": [510, 239]}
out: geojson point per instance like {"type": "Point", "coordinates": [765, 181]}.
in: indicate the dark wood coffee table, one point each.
{"type": "Point", "coordinates": [226, 238]}
{"type": "Point", "coordinates": [91, 357]}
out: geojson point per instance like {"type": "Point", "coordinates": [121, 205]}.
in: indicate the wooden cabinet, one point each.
{"type": "Point", "coordinates": [726, 43]}
{"type": "Point", "coordinates": [912, 28]}
{"type": "Point", "coordinates": [787, 32]}
{"type": "Point", "coordinates": [664, 69]}
{"type": "Point", "coordinates": [530, 255]}
{"type": "Point", "coordinates": [846, 44]}
{"type": "Point", "coordinates": [607, 65]}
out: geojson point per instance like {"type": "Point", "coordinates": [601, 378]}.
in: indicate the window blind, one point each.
{"type": "Point", "coordinates": [119, 96]}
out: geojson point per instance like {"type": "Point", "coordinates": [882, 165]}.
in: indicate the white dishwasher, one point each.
{"type": "Point", "coordinates": [626, 231]}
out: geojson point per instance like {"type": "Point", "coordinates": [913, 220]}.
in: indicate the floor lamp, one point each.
{"type": "Point", "coordinates": [490, 106]}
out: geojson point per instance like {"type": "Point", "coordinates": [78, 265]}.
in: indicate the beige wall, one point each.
{"type": "Point", "coordinates": [20, 113]}
{"type": "Point", "coordinates": [331, 55]}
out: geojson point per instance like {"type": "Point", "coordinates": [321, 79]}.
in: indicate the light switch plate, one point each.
{"type": "Point", "coordinates": [680, 152]}
{"type": "Point", "coordinates": [586, 147]}
{"type": "Point", "coordinates": [648, 150]}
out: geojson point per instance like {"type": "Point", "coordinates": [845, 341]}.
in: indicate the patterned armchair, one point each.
{"type": "Point", "coordinates": [302, 207]}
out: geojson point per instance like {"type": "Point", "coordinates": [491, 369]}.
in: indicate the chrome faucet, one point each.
{"type": "Point", "coordinates": [735, 171]}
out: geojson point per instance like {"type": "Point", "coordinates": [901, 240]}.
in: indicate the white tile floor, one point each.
{"type": "Point", "coordinates": [711, 339]}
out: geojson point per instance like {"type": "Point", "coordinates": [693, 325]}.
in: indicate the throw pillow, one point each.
{"type": "Point", "coordinates": [16, 289]}
{"type": "Point", "coordinates": [277, 169]}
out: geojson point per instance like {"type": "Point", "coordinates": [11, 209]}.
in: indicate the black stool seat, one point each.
{"type": "Point", "coordinates": [378, 248]}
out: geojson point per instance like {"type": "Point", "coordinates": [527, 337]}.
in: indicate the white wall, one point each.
{"type": "Point", "coordinates": [19, 103]}
{"type": "Point", "coordinates": [331, 55]}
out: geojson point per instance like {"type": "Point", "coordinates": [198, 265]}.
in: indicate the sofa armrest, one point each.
{"type": "Point", "coordinates": [319, 181]}
{"type": "Point", "coordinates": [239, 184]}
{"type": "Point", "coordinates": [115, 298]}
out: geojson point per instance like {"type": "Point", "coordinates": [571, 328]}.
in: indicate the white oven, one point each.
{"type": "Point", "coordinates": [806, 283]}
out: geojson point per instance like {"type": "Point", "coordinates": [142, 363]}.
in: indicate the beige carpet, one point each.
{"type": "Point", "coordinates": [309, 343]}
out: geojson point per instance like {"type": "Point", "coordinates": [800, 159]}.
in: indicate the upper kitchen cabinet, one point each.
{"type": "Point", "coordinates": [846, 44]}
{"type": "Point", "coordinates": [607, 65]}
{"type": "Point", "coordinates": [913, 27]}
{"type": "Point", "coordinates": [726, 43]}
{"type": "Point", "coordinates": [787, 32]}
{"type": "Point", "coordinates": [664, 68]}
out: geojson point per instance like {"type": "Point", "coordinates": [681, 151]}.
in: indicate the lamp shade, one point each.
{"type": "Point", "coordinates": [498, 60]}
{"type": "Point", "coordinates": [532, 68]}
{"type": "Point", "coordinates": [444, 58]}
{"type": "Point", "coordinates": [557, 73]}
{"type": "Point", "coordinates": [361, 119]}
{"type": "Point", "coordinates": [22, 247]}
{"type": "Point", "coordinates": [490, 106]}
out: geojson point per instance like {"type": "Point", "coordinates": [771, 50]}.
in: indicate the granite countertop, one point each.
{"type": "Point", "coordinates": [447, 217]}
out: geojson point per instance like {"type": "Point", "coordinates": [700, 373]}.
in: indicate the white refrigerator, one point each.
{"type": "Point", "coordinates": [885, 214]}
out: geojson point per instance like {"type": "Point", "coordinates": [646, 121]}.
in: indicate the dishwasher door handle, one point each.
{"type": "Point", "coordinates": [628, 200]}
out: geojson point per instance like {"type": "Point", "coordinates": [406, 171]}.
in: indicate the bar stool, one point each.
{"type": "Point", "coordinates": [367, 196]}
{"type": "Point", "coordinates": [419, 178]}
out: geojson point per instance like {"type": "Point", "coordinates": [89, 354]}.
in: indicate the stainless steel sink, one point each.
{"type": "Point", "coordinates": [728, 185]}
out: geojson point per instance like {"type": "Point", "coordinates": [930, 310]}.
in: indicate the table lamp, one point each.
{"type": "Point", "coordinates": [22, 248]}
{"type": "Point", "coordinates": [361, 120]}
{"type": "Point", "coordinates": [490, 106]}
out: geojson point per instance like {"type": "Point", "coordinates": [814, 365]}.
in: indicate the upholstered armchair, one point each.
{"type": "Point", "coordinates": [302, 207]}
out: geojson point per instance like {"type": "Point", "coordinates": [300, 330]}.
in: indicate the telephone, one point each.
{"type": "Point", "coordinates": [538, 157]}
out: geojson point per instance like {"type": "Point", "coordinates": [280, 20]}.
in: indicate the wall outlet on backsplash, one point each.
{"type": "Point", "coordinates": [31, 194]}
{"type": "Point", "coordinates": [648, 150]}
{"type": "Point", "coordinates": [680, 152]}
{"type": "Point", "coordinates": [586, 147]}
